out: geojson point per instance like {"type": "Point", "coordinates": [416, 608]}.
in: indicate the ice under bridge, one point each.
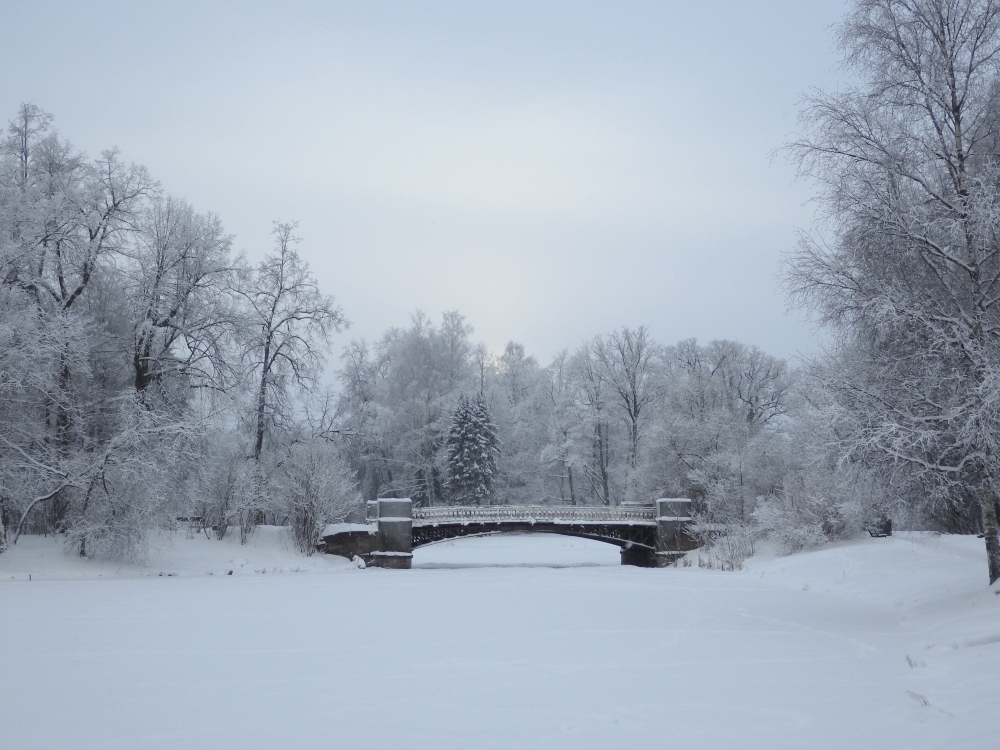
{"type": "Point", "coordinates": [649, 536]}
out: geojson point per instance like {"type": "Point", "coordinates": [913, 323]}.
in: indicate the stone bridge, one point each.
{"type": "Point", "coordinates": [649, 536]}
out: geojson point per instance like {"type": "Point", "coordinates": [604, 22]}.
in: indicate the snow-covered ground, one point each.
{"type": "Point", "coordinates": [268, 550]}
{"type": "Point", "coordinates": [503, 642]}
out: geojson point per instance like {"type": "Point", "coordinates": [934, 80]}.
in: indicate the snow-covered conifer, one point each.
{"type": "Point", "coordinates": [473, 450]}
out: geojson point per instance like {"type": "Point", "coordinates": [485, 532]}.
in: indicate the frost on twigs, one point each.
{"type": "Point", "coordinates": [318, 489]}
{"type": "Point", "coordinates": [906, 269]}
{"type": "Point", "coordinates": [723, 546]}
{"type": "Point", "coordinates": [132, 486]}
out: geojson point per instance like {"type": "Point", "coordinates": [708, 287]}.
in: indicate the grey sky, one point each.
{"type": "Point", "coordinates": [552, 170]}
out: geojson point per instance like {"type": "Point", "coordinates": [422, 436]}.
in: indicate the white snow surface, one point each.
{"type": "Point", "coordinates": [268, 550]}
{"type": "Point", "coordinates": [527, 641]}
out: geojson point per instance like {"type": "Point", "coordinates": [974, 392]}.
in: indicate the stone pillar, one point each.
{"type": "Point", "coordinates": [673, 514]}
{"type": "Point", "coordinates": [395, 533]}
{"type": "Point", "coordinates": [371, 511]}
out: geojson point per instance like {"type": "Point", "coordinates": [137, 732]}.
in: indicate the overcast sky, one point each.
{"type": "Point", "coordinates": [552, 170]}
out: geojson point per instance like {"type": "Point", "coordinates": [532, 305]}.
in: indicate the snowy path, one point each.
{"type": "Point", "coordinates": [808, 651]}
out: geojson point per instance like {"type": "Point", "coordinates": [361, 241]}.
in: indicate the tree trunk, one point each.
{"type": "Point", "coordinates": [63, 421]}
{"type": "Point", "coordinates": [59, 509]}
{"type": "Point", "coordinates": [142, 366]}
{"type": "Point", "coordinates": [986, 504]}
{"type": "Point", "coordinates": [3, 524]}
{"type": "Point", "coordinates": [437, 491]}
{"type": "Point", "coordinates": [261, 413]}
{"type": "Point", "coordinates": [602, 462]}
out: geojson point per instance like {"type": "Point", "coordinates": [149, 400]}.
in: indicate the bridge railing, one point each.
{"type": "Point", "coordinates": [528, 513]}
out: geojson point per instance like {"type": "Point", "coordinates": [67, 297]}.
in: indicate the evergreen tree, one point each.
{"type": "Point", "coordinates": [473, 451]}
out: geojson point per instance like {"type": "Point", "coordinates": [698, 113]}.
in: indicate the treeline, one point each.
{"type": "Point", "coordinates": [621, 419]}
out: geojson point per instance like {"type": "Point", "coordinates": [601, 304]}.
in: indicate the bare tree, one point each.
{"type": "Point", "coordinates": [907, 163]}
{"type": "Point", "coordinates": [318, 489]}
{"type": "Point", "coordinates": [564, 425]}
{"type": "Point", "coordinates": [24, 134]}
{"type": "Point", "coordinates": [629, 359]}
{"type": "Point", "coordinates": [593, 394]}
{"type": "Point", "coordinates": [175, 275]}
{"type": "Point", "coordinates": [288, 323]}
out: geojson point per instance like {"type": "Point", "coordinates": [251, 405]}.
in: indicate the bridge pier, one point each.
{"type": "Point", "coordinates": [673, 515]}
{"type": "Point", "coordinates": [395, 534]}
{"type": "Point", "coordinates": [672, 518]}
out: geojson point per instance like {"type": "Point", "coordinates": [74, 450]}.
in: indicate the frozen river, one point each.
{"type": "Point", "coordinates": [505, 642]}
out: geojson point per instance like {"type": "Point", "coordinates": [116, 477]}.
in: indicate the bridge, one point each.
{"type": "Point", "coordinates": [650, 536]}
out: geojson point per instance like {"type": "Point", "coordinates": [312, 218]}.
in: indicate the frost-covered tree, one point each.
{"type": "Point", "coordinates": [473, 450]}
{"type": "Point", "coordinates": [396, 404]}
{"type": "Point", "coordinates": [513, 392]}
{"type": "Point", "coordinates": [317, 488]}
{"type": "Point", "coordinates": [720, 423]}
{"type": "Point", "coordinates": [630, 362]}
{"type": "Point", "coordinates": [565, 429]}
{"type": "Point", "coordinates": [63, 220]}
{"type": "Point", "coordinates": [175, 275]}
{"type": "Point", "coordinates": [908, 166]}
{"type": "Point", "coordinates": [593, 395]}
{"type": "Point", "coordinates": [287, 324]}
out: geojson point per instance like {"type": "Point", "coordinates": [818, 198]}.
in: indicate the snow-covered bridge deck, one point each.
{"type": "Point", "coordinates": [649, 536]}
{"type": "Point", "coordinates": [644, 515]}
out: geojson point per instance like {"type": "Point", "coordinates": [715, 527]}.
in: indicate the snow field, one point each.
{"type": "Point", "coordinates": [891, 643]}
